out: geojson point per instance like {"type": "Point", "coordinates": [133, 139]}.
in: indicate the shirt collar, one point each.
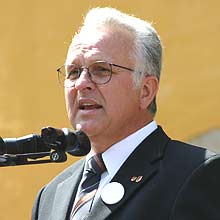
{"type": "Point", "coordinates": [116, 155]}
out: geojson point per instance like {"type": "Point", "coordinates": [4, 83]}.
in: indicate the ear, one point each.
{"type": "Point", "coordinates": [149, 88]}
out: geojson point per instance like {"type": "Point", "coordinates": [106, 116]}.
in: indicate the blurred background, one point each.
{"type": "Point", "coordinates": [33, 42]}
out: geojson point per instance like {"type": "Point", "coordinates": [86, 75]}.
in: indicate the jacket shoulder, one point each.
{"type": "Point", "coordinates": [44, 200]}
{"type": "Point", "coordinates": [188, 153]}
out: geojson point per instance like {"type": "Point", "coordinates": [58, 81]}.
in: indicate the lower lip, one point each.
{"type": "Point", "coordinates": [89, 111]}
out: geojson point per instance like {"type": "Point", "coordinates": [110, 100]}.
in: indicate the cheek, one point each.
{"type": "Point", "coordinates": [123, 102]}
{"type": "Point", "coordinates": [70, 97]}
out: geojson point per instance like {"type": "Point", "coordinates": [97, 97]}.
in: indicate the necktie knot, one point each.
{"type": "Point", "coordinates": [96, 164]}
{"type": "Point", "coordinates": [95, 167]}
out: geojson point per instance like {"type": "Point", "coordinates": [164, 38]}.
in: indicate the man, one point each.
{"type": "Point", "coordinates": [111, 78]}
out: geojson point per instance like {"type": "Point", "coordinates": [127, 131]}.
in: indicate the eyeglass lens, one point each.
{"type": "Point", "coordinates": [98, 72]}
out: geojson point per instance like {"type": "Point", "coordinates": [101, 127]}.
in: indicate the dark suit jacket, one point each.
{"type": "Point", "coordinates": [180, 182]}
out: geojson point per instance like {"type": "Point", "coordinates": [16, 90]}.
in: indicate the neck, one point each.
{"type": "Point", "coordinates": [101, 144]}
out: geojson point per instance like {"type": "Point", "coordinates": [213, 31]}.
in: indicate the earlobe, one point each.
{"type": "Point", "coordinates": [149, 90]}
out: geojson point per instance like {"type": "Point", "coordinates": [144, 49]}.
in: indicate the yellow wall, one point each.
{"type": "Point", "coordinates": [33, 42]}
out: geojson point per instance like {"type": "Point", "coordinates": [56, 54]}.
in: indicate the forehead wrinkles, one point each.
{"type": "Point", "coordinates": [99, 45]}
{"type": "Point", "coordinates": [80, 53]}
{"type": "Point", "coordinates": [85, 45]}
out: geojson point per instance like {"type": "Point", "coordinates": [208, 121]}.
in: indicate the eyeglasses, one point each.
{"type": "Point", "coordinates": [99, 72]}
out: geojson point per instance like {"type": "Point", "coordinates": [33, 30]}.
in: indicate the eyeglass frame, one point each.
{"type": "Point", "coordinates": [81, 69]}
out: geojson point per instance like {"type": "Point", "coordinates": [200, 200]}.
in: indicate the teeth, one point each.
{"type": "Point", "coordinates": [86, 104]}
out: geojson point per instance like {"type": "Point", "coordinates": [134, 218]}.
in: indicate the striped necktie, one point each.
{"type": "Point", "coordinates": [90, 182]}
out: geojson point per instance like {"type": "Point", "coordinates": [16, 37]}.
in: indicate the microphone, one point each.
{"type": "Point", "coordinates": [75, 143]}
{"type": "Point", "coordinates": [31, 143]}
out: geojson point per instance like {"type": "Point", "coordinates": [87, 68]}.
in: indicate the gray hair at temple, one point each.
{"type": "Point", "coordinates": [147, 49]}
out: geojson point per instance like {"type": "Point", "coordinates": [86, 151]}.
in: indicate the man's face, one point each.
{"type": "Point", "coordinates": [109, 112]}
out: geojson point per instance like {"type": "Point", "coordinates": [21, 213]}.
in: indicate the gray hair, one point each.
{"type": "Point", "coordinates": [147, 50]}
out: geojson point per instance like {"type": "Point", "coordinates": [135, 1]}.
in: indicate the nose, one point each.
{"type": "Point", "coordinates": [83, 82]}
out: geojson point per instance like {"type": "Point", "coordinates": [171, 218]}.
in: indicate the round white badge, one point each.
{"type": "Point", "coordinates": [112, 193]}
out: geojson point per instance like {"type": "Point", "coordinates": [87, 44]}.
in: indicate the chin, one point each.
{"type": "Point", "coordinates": [93, 127]}
{"type": "Point", "coordinates": [85, 127]}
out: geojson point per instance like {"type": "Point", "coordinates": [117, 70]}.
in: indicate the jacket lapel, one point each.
{"type": "Point", "coordinates": [140, 167]}
{"type": "Point", "coordinates": [66, 190]}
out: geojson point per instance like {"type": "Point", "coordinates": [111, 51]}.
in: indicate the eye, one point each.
{"type": "Point", "coordinates": [72, 73]}
{"type": "Point", "coordinates": [100, 69]}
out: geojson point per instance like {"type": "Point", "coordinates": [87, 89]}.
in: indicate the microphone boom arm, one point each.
{"type": "Point", "coordinates": [24, 159]}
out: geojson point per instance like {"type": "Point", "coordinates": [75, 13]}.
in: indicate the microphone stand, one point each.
{"type": "Point", "coordinates": [32, 158]}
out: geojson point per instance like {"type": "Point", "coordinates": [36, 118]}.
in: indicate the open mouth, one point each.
{"type": "Point", "coordinates": [89, 106]}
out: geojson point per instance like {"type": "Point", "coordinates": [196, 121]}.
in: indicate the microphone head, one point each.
{"type": "Point", "coordinates": [77, 143]}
